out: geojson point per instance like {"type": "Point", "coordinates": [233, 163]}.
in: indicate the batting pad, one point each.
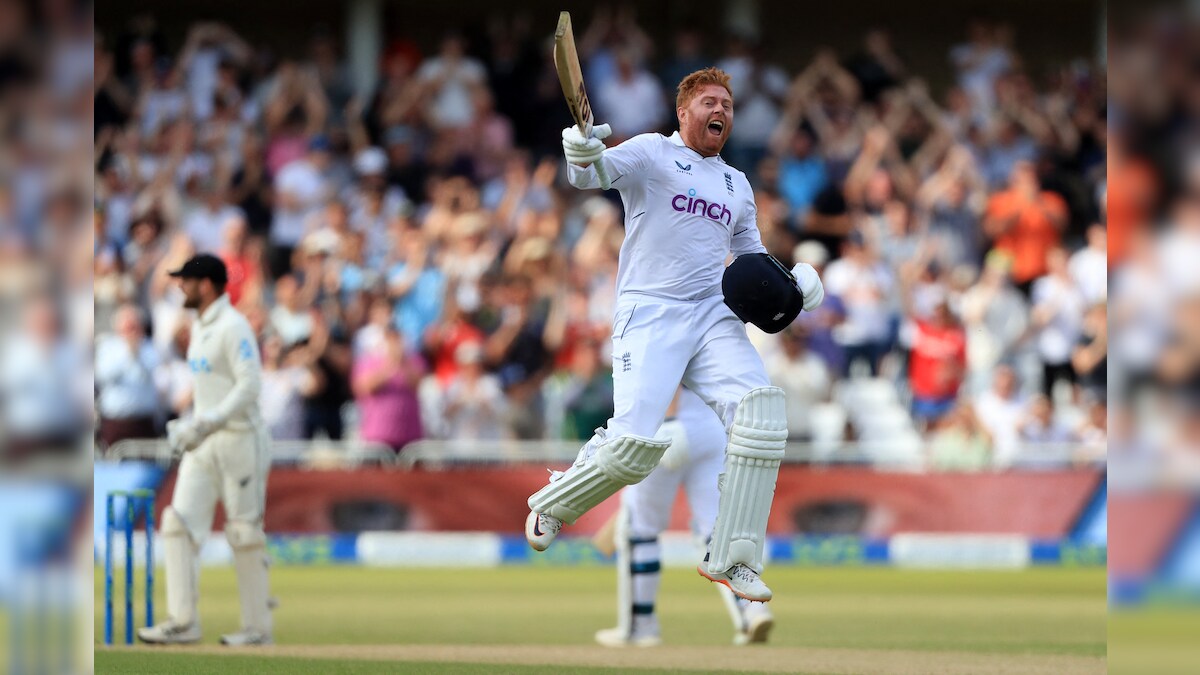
{"type": "Point", "coordinates": [250, 562]}
{"type": "Point", "coordinates": [752, 460]}
{"type": "Point", "coordinates": [622, 461]}
{"type": "Point", "coordinates": [181, 562]}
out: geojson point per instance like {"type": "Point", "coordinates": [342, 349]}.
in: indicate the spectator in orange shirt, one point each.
{"type": "Point", "coordinates": [1025, 222]}
{"type": "Point", "coordinates": [1130, 199]}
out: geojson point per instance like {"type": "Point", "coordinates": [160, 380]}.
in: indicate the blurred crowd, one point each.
{"type": "Point", "coordinates": [417, 267]}
{"type": "Point", "coordinates": [1153, 199]}
{"type": "Point", "coordinates": [46, 177]}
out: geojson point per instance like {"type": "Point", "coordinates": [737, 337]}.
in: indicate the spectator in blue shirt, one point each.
{"type": "Point", "coordinates": [416, 288]}
{"type": "Point", "coordinates": [801, 174]}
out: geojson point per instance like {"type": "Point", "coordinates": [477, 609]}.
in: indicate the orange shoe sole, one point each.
{"type": "Point", "coordinates": [725, 583]}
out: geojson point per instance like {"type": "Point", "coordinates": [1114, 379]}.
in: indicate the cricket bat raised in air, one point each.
{"type": "Point", "coordinates": [570, 76]}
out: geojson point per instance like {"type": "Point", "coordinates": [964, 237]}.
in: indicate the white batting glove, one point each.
{"type": "Point", "coordinates": [582, 151]}
{"type": "Point", "coordinates": [181, 437]}
{"type": "Point", "coordinates": [810, 285]}
{"type": "Point", "coordinates": [186, 435]}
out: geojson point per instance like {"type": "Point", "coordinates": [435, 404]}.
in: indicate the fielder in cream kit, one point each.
{"type": "Point", "coordinates": [680, 319]}
{"type": "Point", "coordinates": [224, 448]}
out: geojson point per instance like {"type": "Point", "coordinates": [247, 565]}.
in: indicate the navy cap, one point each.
{"type": "Point", "coordinates": [203, 266]}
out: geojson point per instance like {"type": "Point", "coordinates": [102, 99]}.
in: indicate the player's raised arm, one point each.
{"type": "Point", "coordinates": [631, 157]}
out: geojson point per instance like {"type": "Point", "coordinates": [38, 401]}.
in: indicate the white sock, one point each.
{"type": "Point", "coordinates": [644, 624]}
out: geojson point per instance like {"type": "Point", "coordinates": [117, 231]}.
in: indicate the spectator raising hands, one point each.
{"type": "Point", "coordinates": [450, 81]}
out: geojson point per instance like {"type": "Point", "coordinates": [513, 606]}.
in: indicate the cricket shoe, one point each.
{"type": "Point", "coordinates": [541, 529]}
{"type": "Point", "coordinates": [758, 622]}
{"type": "Point", "coordinates": [645, 633]}
{"type": "Point", "coordinates": [170, 633]}
{"type": "Point", "coordinates": [743, 581]}
{"type": "Point", "coordinates": [247, 638]}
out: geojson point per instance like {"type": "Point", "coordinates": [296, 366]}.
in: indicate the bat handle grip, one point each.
{"type": "Point", "coordinates": [602, 174]}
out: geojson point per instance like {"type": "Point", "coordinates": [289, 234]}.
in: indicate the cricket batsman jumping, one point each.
{"type": "Point", "coordinates": [680, 319]}
{"type": "Point", "coordinates": [692, 462]}
{"type": "Point", "coordinates": [224, 446]}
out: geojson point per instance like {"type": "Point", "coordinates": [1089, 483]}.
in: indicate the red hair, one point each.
{"type": "Point", "coordinates": [692, 84]}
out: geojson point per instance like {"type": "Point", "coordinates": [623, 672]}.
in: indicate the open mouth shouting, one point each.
{"type": "Point", "coordinates": [716, 127]}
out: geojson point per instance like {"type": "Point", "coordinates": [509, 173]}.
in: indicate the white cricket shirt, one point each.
{"type": "Point", "coordinates": [684, 214]}
{"type": "Point", "coordinates": [223, 357]}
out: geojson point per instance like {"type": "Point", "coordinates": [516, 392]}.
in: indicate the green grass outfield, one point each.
{"type": "Point", "coordinates": [541, 619]}
{"type": "Point", "coordinates": [1155, 639]}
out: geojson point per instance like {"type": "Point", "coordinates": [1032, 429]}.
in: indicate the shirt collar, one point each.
{"type": "Point", "coordinates": [676, 139]}
{"type": "Point", "coordinates": [214, 309]}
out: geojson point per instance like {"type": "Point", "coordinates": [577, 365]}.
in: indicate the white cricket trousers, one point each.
{"type": "Point", "coordinates": [658, 343]}
{"type": "Point", "coordinates": [648, 504]}
{"type": "Point", "coordinates": [230, 466]}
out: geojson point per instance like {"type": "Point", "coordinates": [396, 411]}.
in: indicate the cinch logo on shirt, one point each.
{"type": "Point", "coordinates": [691, 204]}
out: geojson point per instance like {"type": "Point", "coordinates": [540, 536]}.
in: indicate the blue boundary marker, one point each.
{"type": "Point", "coordinates": [1167, 584]}
{"type": "Point", "coordinates": [316, 549]}
{"type": "Point", "coordinates": [1067, 553]}
{"type": "Point", "coordinates": [1185, 544]}
{"type": "Point", "coordinates": [1097, 506]}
